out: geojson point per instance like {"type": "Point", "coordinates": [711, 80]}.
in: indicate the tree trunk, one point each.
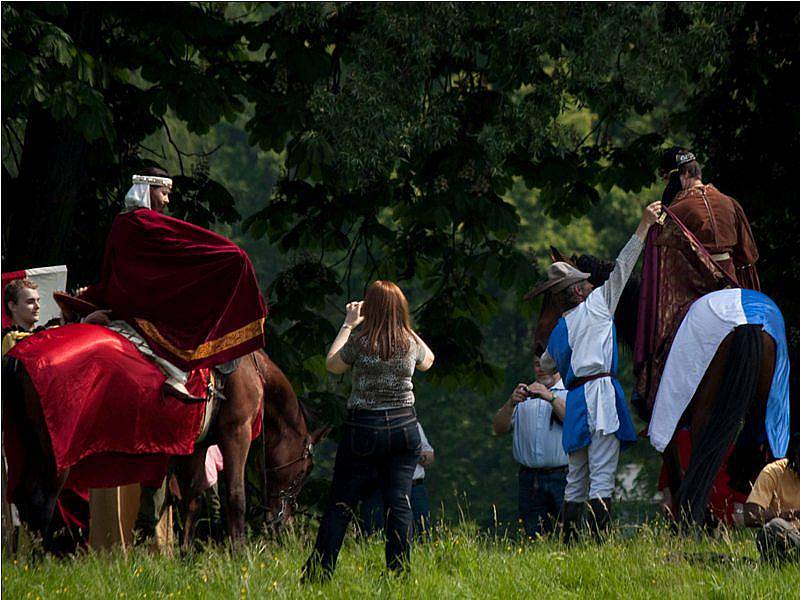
{"type": "Point", "coordinates": [38, 216]}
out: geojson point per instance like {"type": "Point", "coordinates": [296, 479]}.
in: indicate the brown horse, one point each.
{"type": "Point", "coordinates": [733, 392]}
{"type": "Point", "coordinates": [257, 382]}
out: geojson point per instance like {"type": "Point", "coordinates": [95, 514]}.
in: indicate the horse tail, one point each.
{"type": "Point", "coordinates": [732, 403]}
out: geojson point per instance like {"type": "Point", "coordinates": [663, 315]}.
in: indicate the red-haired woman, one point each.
{"type": "Point", "coordinates": [380, 440]}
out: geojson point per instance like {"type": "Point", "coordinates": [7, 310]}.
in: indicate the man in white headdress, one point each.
{"type": "Point", "coordinates": [185, 296]}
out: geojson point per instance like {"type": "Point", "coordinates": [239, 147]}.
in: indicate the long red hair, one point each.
{"type": "Point", "coordinates": [387, 321]}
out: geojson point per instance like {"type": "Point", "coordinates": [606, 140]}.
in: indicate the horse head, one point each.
{"type": "Point", "coordinates": [289, 447]}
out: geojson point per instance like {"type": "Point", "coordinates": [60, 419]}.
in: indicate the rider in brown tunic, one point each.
{"type": "Point", "coordinates": [705, 245]}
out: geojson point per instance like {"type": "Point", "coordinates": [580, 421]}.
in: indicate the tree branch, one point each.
{"type": "Point", "coordinates": [173, 144]}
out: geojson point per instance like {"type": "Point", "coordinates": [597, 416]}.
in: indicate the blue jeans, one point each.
{"type": "Point", "coordinates": [541, 494]}
{"type": "Point", "coordinates": [376, 445]}
{"type": "Point", "coordinates": [372, 514]}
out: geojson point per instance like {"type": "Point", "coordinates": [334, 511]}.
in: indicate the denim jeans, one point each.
{"type": "Point", "coordinates": [380, 446]}
{"type": "Point", "coordinates": [540, 497]}
{"type": "Point", "coordinates": [371, 514]}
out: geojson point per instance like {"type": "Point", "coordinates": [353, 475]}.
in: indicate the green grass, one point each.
{"type": "Point", "coordinates": [646, 562]}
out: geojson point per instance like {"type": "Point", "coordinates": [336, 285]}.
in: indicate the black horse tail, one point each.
{"type": "Point", "coordinates": [733, 401]}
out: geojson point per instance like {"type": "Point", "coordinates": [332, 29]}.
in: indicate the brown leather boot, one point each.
{"type": "Point", "coordinates": [600, 518]}
{"type": "Point", "coordinates": [570, 522]}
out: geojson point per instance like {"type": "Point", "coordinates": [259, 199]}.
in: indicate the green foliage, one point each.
{"type": "Point", "coordinates": [405, 129]}
{"type": "Point", "coordinates": [83, 87]}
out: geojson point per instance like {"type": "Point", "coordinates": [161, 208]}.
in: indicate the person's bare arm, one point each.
{"type": "Point", "coordinates": [559, 405]}
{"type": "Point", "coordinates": [502, 419]}
{"type": "Point", "coordinates": [427, 363]}
{"type": "Point", "coordinates": [333, 362]}
{"type": "Point", "coordinates": [426, 458]}
{"type": "Point", "coordinates": [756, 515]}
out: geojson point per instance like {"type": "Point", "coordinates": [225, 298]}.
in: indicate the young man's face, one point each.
{"type": "Point", "coordinates": [159, 198]}
{"type": "Point", "coordinates": [25, 312]}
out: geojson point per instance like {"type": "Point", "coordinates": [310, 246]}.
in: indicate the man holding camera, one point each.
{"type": "Point", "coordinates": [534, 413]}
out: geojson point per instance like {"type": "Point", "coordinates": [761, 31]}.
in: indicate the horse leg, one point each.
{"type": "Point", "coordinates": [244, 392]}
{"type": "Point", "coordinates": [235, 444]}
{"type": "Point", "coordinates": [37, 495]}
{"type": "Point", "coordinates": [674, 474]}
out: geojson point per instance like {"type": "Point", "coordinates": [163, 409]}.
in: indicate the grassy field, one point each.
{"type": "Point", "coordinates": [459, 562]}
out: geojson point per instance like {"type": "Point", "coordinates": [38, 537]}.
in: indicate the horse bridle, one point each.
{"type": "Point", "coordinates": [288, 495]}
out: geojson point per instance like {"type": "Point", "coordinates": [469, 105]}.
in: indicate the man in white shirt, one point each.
{"type": "Point", "coordinates": [534, 414]}
{"type": "Point", "coordinates": [582, 346]}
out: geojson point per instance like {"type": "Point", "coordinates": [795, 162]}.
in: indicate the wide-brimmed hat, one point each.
{"type": "Point", "coordinates": [560, 275]}
{"type": "Point", "coordinates": [67, 302]}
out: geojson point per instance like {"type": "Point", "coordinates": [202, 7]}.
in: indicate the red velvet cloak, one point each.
{"type": "Point", "coordinates": [192, 294]}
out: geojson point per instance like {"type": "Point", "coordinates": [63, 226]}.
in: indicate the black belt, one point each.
{"type": "Point", "coordinates": [387, 413]}
{"type": "Point", "coordinates": [419, 481]}
{"type": "Point", "coordinates": [543, 470]}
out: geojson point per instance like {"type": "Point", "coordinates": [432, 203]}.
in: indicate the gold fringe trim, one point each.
{"type": "Point", "coordinates": [209, 348]}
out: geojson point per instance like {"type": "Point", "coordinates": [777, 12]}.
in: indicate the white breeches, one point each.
{"type": "Point", "coordinates": [593, 470]}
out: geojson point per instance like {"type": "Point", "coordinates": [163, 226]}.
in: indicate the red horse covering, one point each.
{"type": "Point", "coordinates": [103, 407]}
{"type": "Point", "coordinates": [192, 294]}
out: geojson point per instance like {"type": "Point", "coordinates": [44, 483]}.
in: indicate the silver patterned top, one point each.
{"type": "Point", "coordinates": [381, 384]}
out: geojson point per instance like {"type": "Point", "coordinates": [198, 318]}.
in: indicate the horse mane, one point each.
{"type": "Point", "coordinates": [626, 315]}
{"type": "Point", "coordinates": [311, 416]}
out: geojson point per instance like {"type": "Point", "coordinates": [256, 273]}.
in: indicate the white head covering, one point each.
{"type": "Point", "coordinates": [139, 194]}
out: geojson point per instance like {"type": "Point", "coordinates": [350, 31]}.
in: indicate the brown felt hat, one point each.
{"type": "Point", "coordinates": [560, 275]}
{"type": "Point", "coordinates": [67, 302]}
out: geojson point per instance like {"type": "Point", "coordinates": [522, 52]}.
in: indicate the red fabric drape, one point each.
{"type": "Point", "coordinates": [102, 403]}
{"type": "Point", "coordinates": [192, 294]}
{"type": "Point", "coordinates": [722, 497]}
{"type": "Point", "coordinates": [103, 406]}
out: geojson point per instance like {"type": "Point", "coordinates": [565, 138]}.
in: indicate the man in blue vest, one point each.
{"type": "Point", "coordinates": [583, 348]}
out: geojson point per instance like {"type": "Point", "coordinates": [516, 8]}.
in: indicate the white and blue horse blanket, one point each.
{"type": "Point", "coordinates": [708, 322]}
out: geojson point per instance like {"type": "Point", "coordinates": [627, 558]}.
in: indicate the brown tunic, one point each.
{"type": "Point", "coordinates": [684, 273]}
{"type": "Point", "coordinates": [718, 221]}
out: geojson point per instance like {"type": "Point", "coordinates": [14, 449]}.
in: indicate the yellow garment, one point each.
{"type": "Point", "coordinates": [11, 338]}
{"type": "Point", "coordinates": [777, 488]}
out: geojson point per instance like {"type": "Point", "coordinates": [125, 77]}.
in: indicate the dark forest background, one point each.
{"type": "Point", "coordinates": [444, 146]}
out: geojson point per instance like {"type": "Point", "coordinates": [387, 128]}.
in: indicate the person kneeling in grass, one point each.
{"type": "Point", "coordinates": [774, 507]}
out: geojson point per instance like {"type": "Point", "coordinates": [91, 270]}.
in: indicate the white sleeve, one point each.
{"type": "Point", "coordinates": [612, 289]}
{"type": "Point", "coordinates": [426, 447]}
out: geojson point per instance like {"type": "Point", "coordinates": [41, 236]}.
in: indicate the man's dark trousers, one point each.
{"type": "Point", "coordinates": [541, 494]}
